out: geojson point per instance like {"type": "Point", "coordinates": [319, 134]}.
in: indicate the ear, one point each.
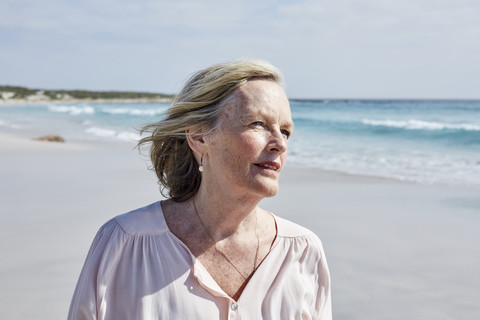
{"type": "Point", "coordinates": [195, 139]}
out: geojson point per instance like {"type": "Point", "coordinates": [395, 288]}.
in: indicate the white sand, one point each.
{"type": "Point", "coordinates": [396, 250]}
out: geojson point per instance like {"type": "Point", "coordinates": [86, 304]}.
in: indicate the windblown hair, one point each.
{"type": "Point", "coordinates": [198, 105]}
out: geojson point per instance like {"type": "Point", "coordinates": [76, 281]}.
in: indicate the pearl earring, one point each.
{"type": "Point", "coordinates": [200, 168]}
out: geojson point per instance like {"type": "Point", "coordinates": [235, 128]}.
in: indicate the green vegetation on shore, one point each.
{"type": "Point", "coordinates": [25, 93]}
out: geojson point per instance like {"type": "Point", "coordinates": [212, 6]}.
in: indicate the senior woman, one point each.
{"type": "Point", "coordinates": [209, 251]}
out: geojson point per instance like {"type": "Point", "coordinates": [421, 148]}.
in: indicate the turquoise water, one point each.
{"type": "Point", "coordinates": [423, 141]}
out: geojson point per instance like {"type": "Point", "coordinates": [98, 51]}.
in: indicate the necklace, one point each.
{"type": "Point", "coordinates": [223, 254]}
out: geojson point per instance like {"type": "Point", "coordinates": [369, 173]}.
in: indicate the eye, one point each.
{"type": "Point", "coordinates": [286, 133]}
{"type": "Point", "coordinates": [257, 123]}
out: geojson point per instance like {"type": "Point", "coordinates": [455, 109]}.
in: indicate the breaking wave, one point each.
{"type": "Point", "coordinates": [109, 133]}
{"type": "Point", "coordinates": [72, 110]}
{"type": "Point", "coordinates": [421, 125]}
{"type": "Point", "coordinates": [132, 111]}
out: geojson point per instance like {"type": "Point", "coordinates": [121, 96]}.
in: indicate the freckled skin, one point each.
{"type": "Point", "coordinates": [253, 129]}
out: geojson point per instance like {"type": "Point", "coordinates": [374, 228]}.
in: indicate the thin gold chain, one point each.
{"type": "Point", "coordinates": [223, 254]}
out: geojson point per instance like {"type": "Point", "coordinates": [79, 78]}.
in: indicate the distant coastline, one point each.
{"type": "Point", "coordinates": [11, 95]}
{"type": "Point", "coordinates": [16, 95]}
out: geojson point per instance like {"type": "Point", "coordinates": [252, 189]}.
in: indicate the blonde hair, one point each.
{"type": "Point", "coordinates": [198, 105]}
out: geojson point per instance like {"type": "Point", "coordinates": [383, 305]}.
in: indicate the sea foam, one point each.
{"type": "Point", "coordinates": [72, 110]}
{"type": "Point", "coordinates": [10, 125]}
{"type": "Point", "coordinates": [421, 125]}
{"type": "Point", "coordinates": [132, 111]}
{"type": "Point", "coordinates": [109, 133]}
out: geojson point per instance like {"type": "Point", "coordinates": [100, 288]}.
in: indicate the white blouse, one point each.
{"type": "Point", "coordinates": [137, 269]}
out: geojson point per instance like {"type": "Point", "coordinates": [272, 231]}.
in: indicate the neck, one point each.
{"type": "Point", "coordinates": [226, 215]}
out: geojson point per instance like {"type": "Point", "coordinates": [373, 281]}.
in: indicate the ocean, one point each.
{"type": "Point", "coordinates": [419, 141]}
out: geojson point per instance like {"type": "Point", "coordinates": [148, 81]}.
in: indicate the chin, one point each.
{"type": "Point", "coordinates": [264, 188]}
{"type": "Point", "coordinates": [273, 194]}
{"type": "Point", "coordinates": [269, 191]}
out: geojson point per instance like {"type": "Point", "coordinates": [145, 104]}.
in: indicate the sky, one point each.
{"type": "Point", "coordinates": [394, 49]}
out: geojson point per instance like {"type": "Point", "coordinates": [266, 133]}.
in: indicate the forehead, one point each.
{"type": "Point", "coordinates": [260, 97]}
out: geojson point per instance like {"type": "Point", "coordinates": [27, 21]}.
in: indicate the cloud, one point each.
{"type": "Point", "coordinates": [333, 47]}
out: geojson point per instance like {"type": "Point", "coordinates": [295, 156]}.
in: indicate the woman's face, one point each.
{"type": "Point", "coordinates": [248, 149]}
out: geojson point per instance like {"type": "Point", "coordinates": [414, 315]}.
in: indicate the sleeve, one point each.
{"type": "Point", "coordinates": [88, 300]}
{"type": "Point", "coordinates": [322, 310]}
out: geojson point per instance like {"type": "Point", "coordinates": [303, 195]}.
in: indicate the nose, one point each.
{"type": "Point", "coordinates": [278, 142]}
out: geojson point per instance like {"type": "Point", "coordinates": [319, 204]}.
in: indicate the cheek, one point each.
{"type": "Point", "coordinates": [237, 148]}
{"type": "Point", "coordinates": [251, 145]}
{"type": "Point", "coordinates": [242, 150]}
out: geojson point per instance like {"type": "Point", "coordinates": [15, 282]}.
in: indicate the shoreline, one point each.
{"type": "Point", "coordinates": [26, 139]}
{"type": "Point", "coordinates": [14, 141]}
{"type": "Point", "coordinates": [21, 102]}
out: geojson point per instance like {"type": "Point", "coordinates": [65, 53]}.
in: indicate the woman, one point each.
{"type": "Point", "coordinates": [209, 251]}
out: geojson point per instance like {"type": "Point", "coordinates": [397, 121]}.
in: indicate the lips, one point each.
{"type": "Point", "coordinates": [271, 165]}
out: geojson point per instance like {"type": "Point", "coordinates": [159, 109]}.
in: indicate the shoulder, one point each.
{"type": "Point", "coordinates": [148, 220]}
{"type": "Point", "coordinates": [287, 229]}
{"type": "Point", "coordinates": [111, 239]}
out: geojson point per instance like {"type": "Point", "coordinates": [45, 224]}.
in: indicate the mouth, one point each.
{"type": "Point", "coordinates": [271, 165]}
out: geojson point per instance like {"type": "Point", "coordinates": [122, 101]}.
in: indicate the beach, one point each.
{"type": "Point", "coordinates": [396, 250]}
